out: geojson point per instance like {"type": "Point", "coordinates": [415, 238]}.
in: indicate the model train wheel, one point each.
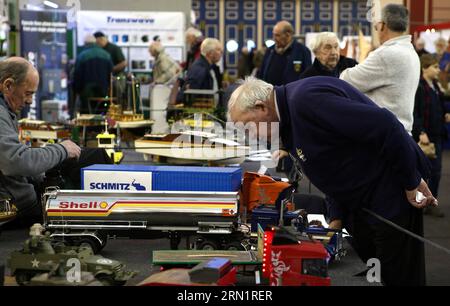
{"type": "Point", "coordinates": [234, 246]}
{"type": "Point", "coordinates": [208, 245]}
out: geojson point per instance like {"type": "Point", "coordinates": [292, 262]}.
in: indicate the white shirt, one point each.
{"type": "Point", "coordinates": [390, 77]}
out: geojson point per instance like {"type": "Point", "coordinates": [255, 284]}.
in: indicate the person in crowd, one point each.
{"type": "Point", "coordinates": [165, 69]}
{"type": "Point", "coordinates": [355, 152]}
{"type": "Point", "coordinates": [443, 56]}
{"type": "Point", "coordinates": [21, 165]}
{"type": "Point", "coordinates": [420, 47]}
{"type": "Point", "coordinates": [258, 58]}
{"type": "Point", "coordinates": [93, 68]}
{"type": "Point", "coordinates": [245, 63]}
{"type": "Point", "coordinates": [194, 39]}
{"type": "Point", "coordinates": [441, 46]}
{"type": "Point", "coordinates": [390, 74]}
{"type": "Point", "coordinates": [429, 121]}
{"type": "Point", "coordinates": [204, 72]}
{"type": "Point", "coordinates": [285, 61]}
{"type": "Point", "coordinates": [118, 59]}
{"type": "Point", "coordinates": [328, 61]}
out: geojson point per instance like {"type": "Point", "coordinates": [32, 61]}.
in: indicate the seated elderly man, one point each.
{"type": "Point", "coordinates": [22, 167]}
{"type": "Point", "coordinates": [164, 68]}
{"type": "Point", "coordinates": [355, 152]}
{"type": "Point", "coordinates": [19, 81]}
{"type": "Point", "coordinates": [328, 60]}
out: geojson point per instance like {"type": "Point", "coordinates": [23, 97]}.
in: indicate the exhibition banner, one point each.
{"type": "Point", "coordinates": [133, 28]}
{"type": "Point", "coordinates": [44, 43]}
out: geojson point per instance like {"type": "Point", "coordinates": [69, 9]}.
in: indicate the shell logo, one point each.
{"type": "Point", "coordinates": [103, 205]}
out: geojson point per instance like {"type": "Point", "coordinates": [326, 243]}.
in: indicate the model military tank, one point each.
{"type": "Point", "coordinates": [40, 255]}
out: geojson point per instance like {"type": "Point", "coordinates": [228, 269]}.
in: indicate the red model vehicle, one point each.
{"type": "Point", "coordinates": [290, 259]}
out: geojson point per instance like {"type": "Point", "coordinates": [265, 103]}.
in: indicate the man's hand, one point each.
{"type": "Point", "coordinates": [427, 200]}
{"type": "Point", "coordinates": [280, 154]}
{"type": "Point", "coordinates": [447, 117]}
{"type": "Point", "coordinates": [423, 138]}
{"type": "Point", "coordinates": [72, 149]}
{"type": "Point", "coordinates": [335, 224]}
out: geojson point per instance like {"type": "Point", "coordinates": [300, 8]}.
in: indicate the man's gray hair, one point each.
{"type": "Point", "coordinates": [249, 92]}
{"type": "Point", "coordinates": [208, 45]}
{"type": "Point", "coordinates": [16, 70]}
{"type": "Point", "coordinates": [195, 32]}
{"type": "Point", "coordinates": [396, 17]}
{"type": "Point", "coordinates": [321, 38]}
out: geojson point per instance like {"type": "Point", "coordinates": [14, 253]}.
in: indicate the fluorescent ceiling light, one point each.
{"type": "Point", "coordinates": [33, 7]}
{"type": "Point", "coordinates": [51, 4]}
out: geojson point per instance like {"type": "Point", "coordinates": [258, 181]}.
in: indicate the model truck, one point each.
{"type": "Point", "coordinates": [293, 259]}
{"type": "Point", "coordinates": [215, 219]}
{"type": "Point", "coordinates": [284, 256]}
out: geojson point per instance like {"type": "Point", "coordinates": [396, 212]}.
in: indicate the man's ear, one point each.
{"type": "Point", "coordinates": [8, 83]}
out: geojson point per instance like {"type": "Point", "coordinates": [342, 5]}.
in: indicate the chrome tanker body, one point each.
{"type": "Point", "coordinates": [94, 216]}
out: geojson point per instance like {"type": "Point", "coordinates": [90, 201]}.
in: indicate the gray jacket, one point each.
{"type": "Point", "coordinates": [18, 161]}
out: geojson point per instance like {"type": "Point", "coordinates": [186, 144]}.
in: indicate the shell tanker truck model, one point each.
{"type": "Point", "coordinates": [215, 219]}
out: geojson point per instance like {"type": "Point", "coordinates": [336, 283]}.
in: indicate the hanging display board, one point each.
{"type": "Point", "coordinates": [134, 31]}
{"type": "Point", "coordinates": [43, 42]}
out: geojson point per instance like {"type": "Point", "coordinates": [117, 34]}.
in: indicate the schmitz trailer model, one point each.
{"type": "Point", "coordinates": [93, 216]}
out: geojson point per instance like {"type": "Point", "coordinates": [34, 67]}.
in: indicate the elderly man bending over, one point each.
{"type": "Point", "coordinates": [355, 152]}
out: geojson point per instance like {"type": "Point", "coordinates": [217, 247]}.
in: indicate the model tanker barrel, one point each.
{"type": "Point", "coordinates": [93, 216]}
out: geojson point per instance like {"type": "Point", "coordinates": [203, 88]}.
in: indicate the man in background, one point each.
{"type": "Point", "coordinates": [93, 68]}
{"type": "Point", "coordinates": [390, 74]}
{"type": "Point", "coordinates": [116, 53]}
{"type": "Point", "coordinates": [287, 59]}
{"type": "Point", "coordinates": [165, 68]}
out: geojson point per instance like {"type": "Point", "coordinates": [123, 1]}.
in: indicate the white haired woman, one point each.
{"type": "Point", "coordinates": [328, 60]}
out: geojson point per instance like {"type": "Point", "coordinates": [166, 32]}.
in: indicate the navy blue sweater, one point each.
{"type": "Point", "coordinates": [297, 59]}
{"type": "Point", "coordinates": [356, 152]}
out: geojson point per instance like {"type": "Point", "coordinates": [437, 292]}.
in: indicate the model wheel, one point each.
{"type": "Point", "coordinates": [93, 243]}
{"type": "Point", "coordinates": [23, 277]}
{"type": "Point", "coordinates": [208, 245]}
{"type": "Point", "coordinates": [106, 280]}
{"type": "Point", "coordinates": [234, 246]}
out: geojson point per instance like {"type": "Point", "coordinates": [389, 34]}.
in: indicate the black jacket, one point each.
{"type": "Point", "coordinates": [199, 77]}
{"type": "Point", "coordinates": [317, 69]}
{"type": "Point", "coordinates": [429, 113]}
